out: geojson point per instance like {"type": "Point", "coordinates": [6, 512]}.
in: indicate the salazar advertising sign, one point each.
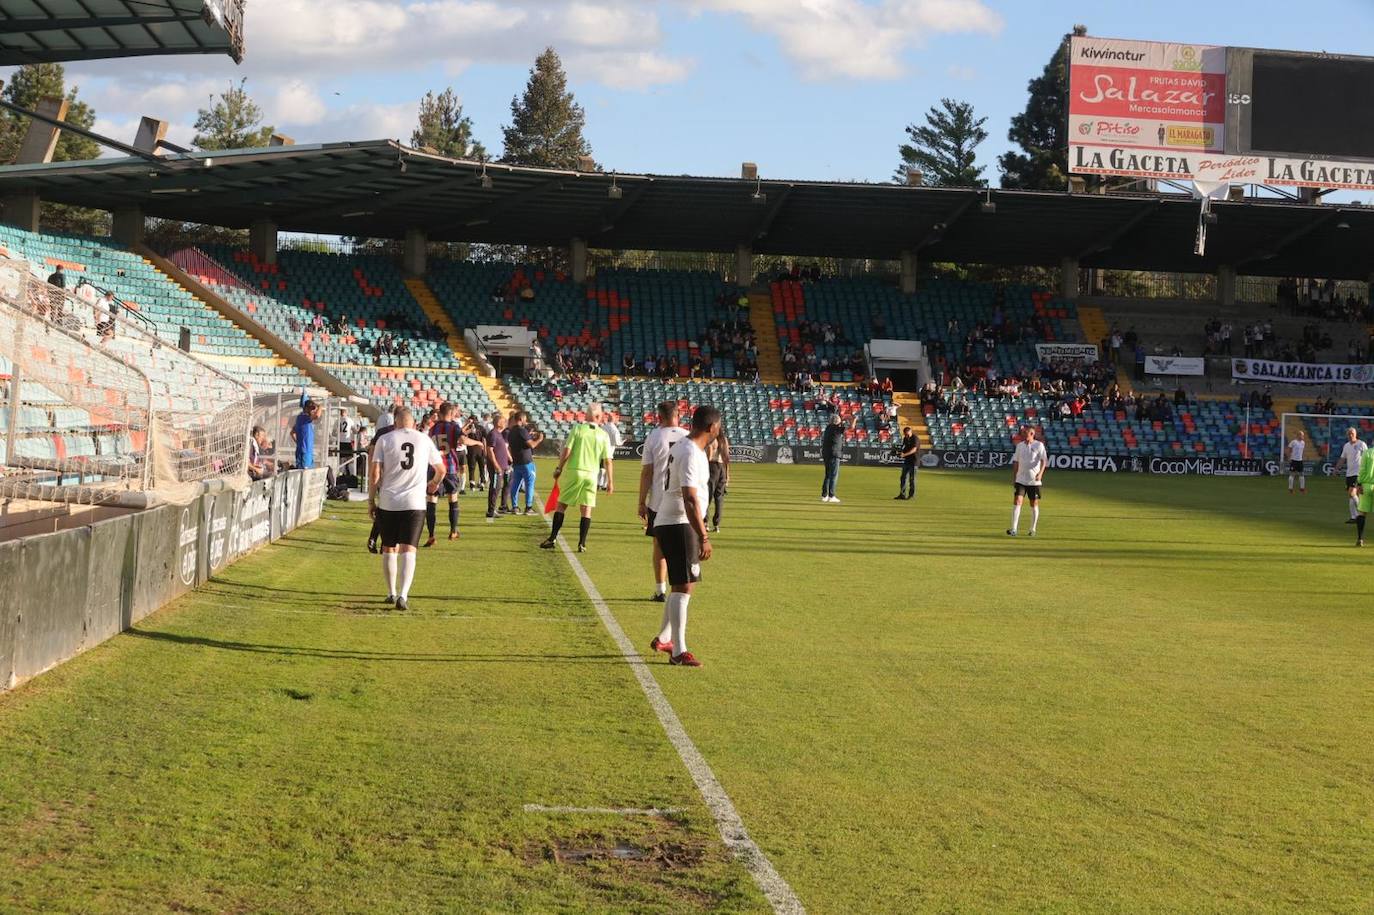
{"type": "Point", "coordinates": [1144, 107]}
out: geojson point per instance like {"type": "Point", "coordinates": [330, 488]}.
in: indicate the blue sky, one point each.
{"type": "Point", "coordinates": [815, 89]}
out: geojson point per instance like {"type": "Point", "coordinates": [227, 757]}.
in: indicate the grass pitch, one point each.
{"type": "Point", "coordinates": [1162, 703]}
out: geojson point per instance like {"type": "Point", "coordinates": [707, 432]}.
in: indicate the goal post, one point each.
{"type": "Point", "coordinates": [1326, 436]}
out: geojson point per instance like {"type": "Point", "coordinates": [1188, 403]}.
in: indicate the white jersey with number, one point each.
{"type": "Point", "coordinates": [405, 456]}
{"type": "Point", "coordinates": [656, 448]}
{"type": "Point", "coordinates": [687, 469]}
{"type": "Point", "coordinates": [1351, 454]}
{"type": "Point", "coordinates": [1295, 449]}
{"type": "Point", "coordinates": [1030, 462]}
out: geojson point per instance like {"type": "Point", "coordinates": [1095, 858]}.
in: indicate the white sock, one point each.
{"type": "Point", "coordinates": [1015, 517]}
{"type": "Point", "coordinates": [665, 629]}
{"type": "Point", "coordinates": [407, 572]}
{"type": "Point", "coordinates": [662, 586]}
{"type": "Point", "coordinates": [677, 604]}
{"type": "Point", "coordinates": [1035, 516]}
{"type": "Point", "coordinates": [1290, 482]}
{"type": "Point", "coordinates": [1354, 506]}
{"type": "Point", "coordinates": [389, 573]}
{"type": "Point", "coordinates": [1302, 482]}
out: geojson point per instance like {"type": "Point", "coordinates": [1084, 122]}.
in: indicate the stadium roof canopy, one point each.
{"type": "Point", "coordinates": [381, 188]}
{"type": "Point", "coordinates": [54, 31]}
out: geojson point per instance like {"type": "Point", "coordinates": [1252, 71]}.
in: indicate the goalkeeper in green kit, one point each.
{"type": "Point", "coordinates": [587, 451]}
{"type": "Point", "coordinates": [1364, 489]}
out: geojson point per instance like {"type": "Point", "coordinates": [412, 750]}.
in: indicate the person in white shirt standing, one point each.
{"type": "Point", "coordinates": [406, 468]}
{"type": "Point", "coordinates": [680, 529]}
{"type": "Point", "coordinates": [1028, 472]}
{"type": "Point", "coordinates": [1351, 452]}
{"type": "Point", "coordinates": [612, 427]}
{"type": "Point", "coordinates": [652, 472]}
{"type": "Point", "coordinates": [1296, 448]}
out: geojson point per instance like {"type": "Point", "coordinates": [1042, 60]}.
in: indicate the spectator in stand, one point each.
{"type": "Point", "coordinates": [1180, 397]}
{"type": "Point", "coordinates": [627, 365]}
{"type": "Point", "coordinates": [58, 278]}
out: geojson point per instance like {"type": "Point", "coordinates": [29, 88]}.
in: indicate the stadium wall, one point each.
{"type": "Point", "coordinates": [70, 590]}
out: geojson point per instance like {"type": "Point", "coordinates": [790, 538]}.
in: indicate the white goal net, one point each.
{"type": "Point", "coordinates": [1326, 436]}
{"type": "Point", "coordinates": [95, 407]}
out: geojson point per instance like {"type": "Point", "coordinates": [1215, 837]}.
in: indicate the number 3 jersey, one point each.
{"type": "Point", "coordinates": [406, 456]}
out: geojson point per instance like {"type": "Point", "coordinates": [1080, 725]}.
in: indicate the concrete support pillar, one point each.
{"type": "Point", "coordinates": [40, 140]}
{"type": "Point", "coordinates": [262, 240]}
{"type": "Point", "coordinates": [908, 273]}
{"type": "Point", "coordinates": [413, 260]}
{"type": "Point", "coordinates": [22, 210]}
{"type": "Point", "coordinates": [577, 257]}
{"type": "Point", "coordinates": [126, 226]}
{"type": "Point", "coordinates": [744, 266]}
{"type": "Point", "coordinates": [1068, 279]}
{"type": "Point", "coordinates": [1226, 285]}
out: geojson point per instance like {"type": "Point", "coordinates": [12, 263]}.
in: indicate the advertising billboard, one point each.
{"type": "Point", "coordinates": [1219, 116]}
{"type": "Point", "coordinates": [1144, 108]}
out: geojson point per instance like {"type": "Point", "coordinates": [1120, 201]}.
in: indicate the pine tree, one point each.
{"type": "Point", "coordinates": [444, 128]}
{"type": "Point", "coordinates": [1039, 130]}
{"type": "Point", "coordinates": [233, 121]}
{"type": "Point", "coordinates": [944, 149]}
{"type": "Point", "coordinates": [546, 123]}
{"type": "Point", "coordinates": [27, 87]}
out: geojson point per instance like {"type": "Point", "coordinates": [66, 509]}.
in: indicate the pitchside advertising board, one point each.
{"type": "Point", "coordinates": [959, 459]}
{"type": "Point", "coordinates": [1219, 116]}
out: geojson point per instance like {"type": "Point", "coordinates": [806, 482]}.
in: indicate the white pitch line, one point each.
{"type": "Point", "coordinates": [728, 821]}
{"type": "Point", "coordinates": [612, 811]}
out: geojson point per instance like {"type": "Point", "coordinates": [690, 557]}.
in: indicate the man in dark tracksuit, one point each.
{"type": "Point", "coordinates": [718, 455]}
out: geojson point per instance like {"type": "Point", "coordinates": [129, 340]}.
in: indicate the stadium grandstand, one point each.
{"type": "Point", "coordinates": [171, 408]}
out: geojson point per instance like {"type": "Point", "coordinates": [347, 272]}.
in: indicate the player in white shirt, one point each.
{"type": "Point", "coordinates": [1351, 452]}
{"type": "Point", "coordinates": [616, 438]}
{"type": "Point", "coordinates": [1296, 448]}
{"type": "Point", "coordinates": [653, 471]}
{"type": "Point", "coordinates": [1028, 471]}
{"type": "Point", "coordinates": [406, 468]}
{"type": "Point", "coordinates": [680, 529]}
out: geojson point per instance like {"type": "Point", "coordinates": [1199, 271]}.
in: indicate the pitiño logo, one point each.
{"type": "Point", "coordinates": [784, 455]}
{"type": "Point", "coordinates": [1085, 128]}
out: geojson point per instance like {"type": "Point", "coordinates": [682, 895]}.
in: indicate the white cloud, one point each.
{"type": "Point", "coordinates": [855, 39]}
{"type": "Point", "coordinates": [961, 72]}
{"type": "Point", "coordinates": [296, 103]}
{"type": "Point", "coordinates": [631, 69]}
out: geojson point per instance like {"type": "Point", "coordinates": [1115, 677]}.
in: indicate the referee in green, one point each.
{"type": "Point", "coordinates": [586, 453]}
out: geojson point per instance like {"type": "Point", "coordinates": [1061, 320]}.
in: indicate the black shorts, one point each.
{"type": "Point", "coordinates": [1031, 492]}
{"type": "Point", "coordinates": [449, 486]}
{"type": "Point", "coordinates": [400, 528]}
{"type": "Point", "coordinates": [1352, 482]}
{"type": "Point", "coordinates": [682, 550]}
{"type": "Point", "coordinates": [649, 527]}
{"type": "Point", "coordinates": [1295, 467]}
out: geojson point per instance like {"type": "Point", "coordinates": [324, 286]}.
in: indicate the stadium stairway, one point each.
{"type": "Point", "coordinates": [766, 334]}
{"type": "Point", "coordinates": [283, 353]}
{"type": "Point", "coordinates": [467, 359]}
{"type": "Point", "coordinates": [1095, 329]}
{"type": "Point", "coordinates": [909, 414]}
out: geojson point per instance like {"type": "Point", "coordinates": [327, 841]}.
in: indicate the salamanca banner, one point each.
{"type": "Point", "coordinates": [1300, 372]}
